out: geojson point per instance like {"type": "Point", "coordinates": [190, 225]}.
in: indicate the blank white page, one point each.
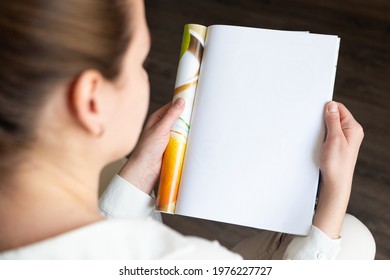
{"type": "Point", "coordinates": [257, 128]}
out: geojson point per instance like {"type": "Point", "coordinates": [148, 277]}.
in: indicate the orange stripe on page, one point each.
{"type": "Point", "coordinates": [171, 168]}
{"type": "Point", "coordinates": [184, 87]}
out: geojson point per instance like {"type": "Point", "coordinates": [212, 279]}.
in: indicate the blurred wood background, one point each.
{"type": "Point", "coordinates": [362, 84]}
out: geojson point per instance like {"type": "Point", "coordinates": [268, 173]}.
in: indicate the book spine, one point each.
{"type": "Point", "coordinates": [185, 87]}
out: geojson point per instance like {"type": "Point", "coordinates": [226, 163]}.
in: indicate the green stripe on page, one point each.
{"type": "Point", "coordinates": [187, 125]}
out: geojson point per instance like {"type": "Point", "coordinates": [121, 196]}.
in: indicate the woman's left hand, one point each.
{"type": "Point", "coordinates": [338, 159]}
{"type": "Point", "coordinates": [143, 167]}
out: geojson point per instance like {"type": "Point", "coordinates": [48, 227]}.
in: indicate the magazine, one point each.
{"type": "Point", "coordinates": [246, 149]}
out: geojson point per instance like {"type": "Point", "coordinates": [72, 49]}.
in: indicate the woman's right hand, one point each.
{"type": "Point", "coordinates": [338, 159]}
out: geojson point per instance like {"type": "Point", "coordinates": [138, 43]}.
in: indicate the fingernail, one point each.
{"type": "Point", "coordinates": [332, 107]}
{"type": "Point", "coordinates": [179, 103]}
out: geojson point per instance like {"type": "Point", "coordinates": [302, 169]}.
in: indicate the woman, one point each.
{"type": "Point", "coordinates": [73, 97]}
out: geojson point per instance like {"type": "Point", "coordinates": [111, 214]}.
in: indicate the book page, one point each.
{"type": "Point", "coordinates": [257, 128]}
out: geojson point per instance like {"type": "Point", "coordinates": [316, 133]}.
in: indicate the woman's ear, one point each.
{"type": "Point", "coordinates": [85, 101]}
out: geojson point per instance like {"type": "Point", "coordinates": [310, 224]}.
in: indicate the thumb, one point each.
{"type": "Point", "coordinates": [332, 120]}
{"type": "Point", "coordinates": [171, 115]}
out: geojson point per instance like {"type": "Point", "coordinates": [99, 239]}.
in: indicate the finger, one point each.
{"type": "Point", "coordinates": [158, 115]}
{"type": "Point", "coordinates": [350, 127]}
{"type": "Point", "coordinates": [332, 120]}
{"type": "Point", "coordinates": [171, 115]}
{"type": "Point", "coordinates": [346, 118]}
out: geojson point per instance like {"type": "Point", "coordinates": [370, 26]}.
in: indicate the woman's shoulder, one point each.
{"type": "Point", "coordinates": [121, 239]}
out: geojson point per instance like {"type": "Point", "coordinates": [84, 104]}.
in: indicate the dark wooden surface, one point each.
{"type": "Point", "coordinates": [362, 84]}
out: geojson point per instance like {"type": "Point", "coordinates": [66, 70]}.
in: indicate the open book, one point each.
{"type": "Point", "coordinates": [246, 148]}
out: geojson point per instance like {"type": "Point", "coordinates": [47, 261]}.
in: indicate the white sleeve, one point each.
{"type": "Point", "coordinates": [316, 246]}
{"type": "Point", "coordinates": [121, 199]}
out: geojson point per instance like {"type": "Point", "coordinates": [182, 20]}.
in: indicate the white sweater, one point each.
{"type": "Point", "coordinates": [130, 232]}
